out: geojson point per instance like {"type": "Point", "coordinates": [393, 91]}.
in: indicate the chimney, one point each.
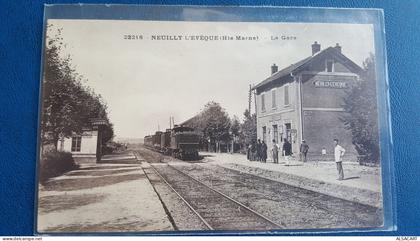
{"type": "Point", "coordinates": [274, 68]}
{"type": "Point", "coordinates": [316, 47]}
{"type": "Point", "coordinates": [338, 47]}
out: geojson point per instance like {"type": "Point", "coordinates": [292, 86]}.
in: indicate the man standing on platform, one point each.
{"type": "Point", "coordinates": [263, 152]}
{"type": "Point", "coordinates": [338, 154]}
{"type": "Point", "coordinates": [253, 150]}
{"type": "Point", "coordinates": [259, 150]}
{"type": "Point", "coordinates": [304, 148]}
{"type": "Point", "coordinates": [275, 152]}
{"type": "Point", "coordinates": [287, 151]}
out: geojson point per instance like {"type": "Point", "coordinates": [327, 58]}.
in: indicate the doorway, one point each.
{"type": "Point", "coordinates": [288, 127]}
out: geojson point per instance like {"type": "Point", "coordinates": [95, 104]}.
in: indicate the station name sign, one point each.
{"type": "Point", "coordinates": [330, 84]}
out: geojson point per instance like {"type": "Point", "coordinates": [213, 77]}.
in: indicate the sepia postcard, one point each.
{"type": "Point", "coordinates": [210, 122]}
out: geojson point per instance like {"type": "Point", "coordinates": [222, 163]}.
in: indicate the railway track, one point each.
{"type": "Point", "coordinates": [346, 212]}
{"type": "Point", "coordinates": [215, 209]}
{"type": "Point", "coordinates": [269, 199]}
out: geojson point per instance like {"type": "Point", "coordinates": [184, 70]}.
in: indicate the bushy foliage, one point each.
{"type": "Point", "coordinates": [55, 163]}
{"type": "Point", "coordinates": [68, 105]}
{"type": "Point", "coordinates": [249, 128]}
{"type": "Point", "coordinates": [361, 116]}
{"type": "Point", "coordinates": [235, 126]}
{"type": "Point", "coordinates": [217, 127]}
{"type": "Point", "coordinates": [214, 122]}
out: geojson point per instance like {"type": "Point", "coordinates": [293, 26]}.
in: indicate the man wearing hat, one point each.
{"type": "Point", "coordinates": [304, 148]}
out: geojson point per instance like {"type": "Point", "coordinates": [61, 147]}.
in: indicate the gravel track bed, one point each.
{"type": "Point", "coordinates": [353, 194]}
{"type": "Point", "coordinates": [182, 217]}
{"type": "Point", "coordinates": [294, 207]}
{"type": "Point", "coordinates": [148, 155]}
{"type": "Point", "coordinates": [219, 212]}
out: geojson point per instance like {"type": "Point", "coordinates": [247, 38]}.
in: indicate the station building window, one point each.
{"type": "Point", "coordinates": [264, 134]}
{"type": "Point", "coordinates": [329, 65]}
{"type": "Point", "coordinates": [76, 142]}
{"type": "Point", "coordinates": [273, 99]}
{"type": "Point", "coordinates": [262, 102]}
{"type": "Point", "coordinates": [276, 133]}
{"type": "Point", "coordinates": [286, 95]}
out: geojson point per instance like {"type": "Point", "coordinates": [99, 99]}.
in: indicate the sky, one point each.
{"type": "Point", "coordinates": [145, 81]}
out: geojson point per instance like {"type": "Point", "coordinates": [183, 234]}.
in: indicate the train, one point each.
{"type": "Point", "coordinates": [180, 142]}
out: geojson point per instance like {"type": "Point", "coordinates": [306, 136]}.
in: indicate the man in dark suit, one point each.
{"type": "Point", "coordinates": [304, 148]}
{"type": "Point", "coordinates": [287, 150]}
{"type": "Point", "coordinates": [259, 151]}
{"type": "Point", "coordinates": [263, 152]}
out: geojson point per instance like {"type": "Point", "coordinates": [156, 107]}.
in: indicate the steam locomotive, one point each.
{"type": "Point", "coordinates": [180, 142]}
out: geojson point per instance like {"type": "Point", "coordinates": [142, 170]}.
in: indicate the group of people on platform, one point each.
{"type": "Point", "coordinates": [257, 151]}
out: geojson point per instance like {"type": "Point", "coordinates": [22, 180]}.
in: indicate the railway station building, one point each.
{"type": "Point", "coordinates": [303, 101]}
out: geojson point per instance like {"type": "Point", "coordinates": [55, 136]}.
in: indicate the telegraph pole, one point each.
{"type": "Point", "coordinates": [255, 100]}
{"type": "Point", "coordinates": [249, 99]}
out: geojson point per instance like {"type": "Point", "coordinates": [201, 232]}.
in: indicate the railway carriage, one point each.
{"type": "Point", "coordinates": [148, 141]}
{"type": "Point", "coordinates": [165, 142]}
{"type": "Point", "coordinates": [157, 140]}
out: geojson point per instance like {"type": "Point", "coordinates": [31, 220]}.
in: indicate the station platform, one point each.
{"type": "Point", "coordinates": [101, 197]}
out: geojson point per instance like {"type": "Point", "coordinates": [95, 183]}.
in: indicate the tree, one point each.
{"type": "Point", "coordinates": [60, 105]}
{"type": "Point", "coordinates": [95, 107]}
{"type": "Point", "coordinates": [361, 116]}
{"type": "Point", "coordinates": [235, 131]}
{"type": "Point", "coordinates": [107, 133]}
{"type": "Point", "coordinates": [67, 105]}
{"type": "Point", "coordinates": [249, 127]}
{"type": "Point", "coordinates": [235, 126]}
{"type": "Point", "coordinates": [214, 123]}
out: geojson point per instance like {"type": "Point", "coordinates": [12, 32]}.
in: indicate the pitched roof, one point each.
{"type": "Point", "coordinates": [190, 120]}
{"type": "Point", "coordinates": [300, 64]}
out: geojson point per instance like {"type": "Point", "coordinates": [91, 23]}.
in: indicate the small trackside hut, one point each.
{"type": "Point", "coordinates": [85, 147]}
{"type": "Point", "coordinates": [304, 102]}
